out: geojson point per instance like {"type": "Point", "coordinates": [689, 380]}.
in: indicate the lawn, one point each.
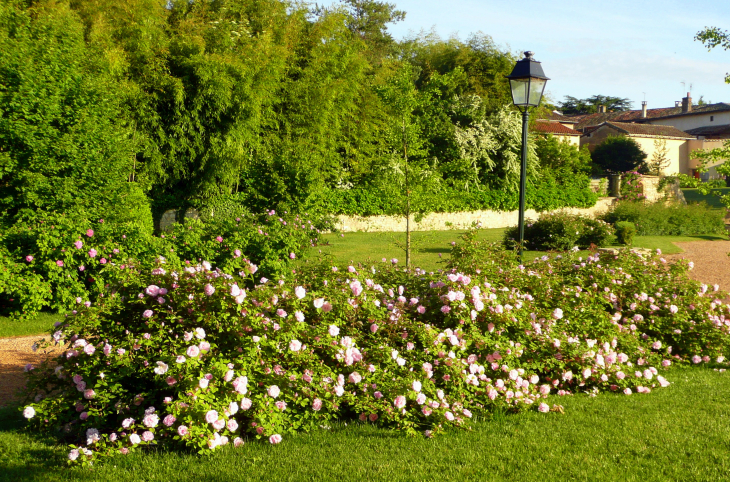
{"type": "Point", "coordinates": [677, 433]}
{"type": "Point", "coordinates": [692, 195]}
{"type": "Point", "coordinates": [431, 248]}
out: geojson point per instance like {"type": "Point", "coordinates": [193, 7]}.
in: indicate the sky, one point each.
{"type": "Point", "coordinates": [640, 49]}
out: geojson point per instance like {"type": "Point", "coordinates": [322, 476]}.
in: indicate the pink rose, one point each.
{"type": "Point", "coordinates": [92, 253]}
{"type": "Point", "coordinates": [317, 405]}
{"type": "Point", "coordinates": [400, 401]}
{"type": "Point", "coordinates": [182, 430]}
{"type": "Point", "coordinates": [211, 416]}
{"type": "Point", "coordinates": [543, 408]}
{"type": "Point", "coordinates": [275, 439]}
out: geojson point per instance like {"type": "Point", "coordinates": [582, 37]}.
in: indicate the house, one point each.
{"type": "Point", "coordinates": [649, 137]}
{"type": "Point", "coordinates": [560, 128]}
{"type": "Point", "coordinates": [685, 128]}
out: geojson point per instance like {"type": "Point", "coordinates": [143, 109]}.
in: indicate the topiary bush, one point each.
{"type": "Point", "coordinates": [561, 232]}
{"type": "Point", "coordinates": [625, 232]}
{"type": "Point", "coordinates": [190, 356]}
{"type": "Point", "coordinates": [659, 219]}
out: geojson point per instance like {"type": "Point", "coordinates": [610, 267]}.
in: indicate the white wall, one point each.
{"type": "Point", "coordinates": [693, 121]}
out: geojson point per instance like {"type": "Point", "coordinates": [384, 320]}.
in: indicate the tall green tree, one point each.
{"type": "Point", "coordinates": [619, 154]}
{"type": "Point", "coordinates": [66, 145]}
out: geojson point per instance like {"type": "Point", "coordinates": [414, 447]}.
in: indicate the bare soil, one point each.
{"type": "Point", "coordinates": [711, 266]}
{"type": "Point", "coordinates": [15, 354]}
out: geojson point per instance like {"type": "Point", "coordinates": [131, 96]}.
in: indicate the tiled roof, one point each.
{"type": "Point", "coordinates": [556, 128]}
{"type": "Point", "coordinates": [556, 116]}
{"type": "Point", "coordinates": [711, 132]}
{"type": "Point", "coordinates": [648, 130]}
{"type": "Point", "coordinates": [586, 120]}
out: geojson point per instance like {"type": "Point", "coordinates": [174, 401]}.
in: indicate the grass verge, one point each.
{"type": "Point", "coordinates": [678, 433]}
{"type": "Point", "coordinates": [431, 248]}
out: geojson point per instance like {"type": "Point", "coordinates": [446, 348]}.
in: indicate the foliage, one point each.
{"type": "Point", "coordinates": [632, 187]}
{"type": "Point", "coordinates": [619, 154]}
{"type": "Point", "coordinates": [545, 194]}
{"type": "Point", "coordinates": [197, 357]}
{"type": "Point", "coordinates": [625, 232]}
{"type": "Point", "coordinates": [659, 160]}
{"type": "Point", "coordinates": [573, 106]}
{"type": "Point", "coordinates": [66, 145]}
{"type": "Point", "coordinates": [712, 37]}
{"type": "Point", "coordinates": [560, 231]}
{"type": "Point", "coordinates": [54, 262]}
{"type": "Point", "coordinates": [561, 157]}
{"type": "Point", "coordinates": [668, 219]}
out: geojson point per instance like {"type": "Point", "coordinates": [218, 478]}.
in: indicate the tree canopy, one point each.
{"type": "Point", "coordinates": [589, 105]}
{"type": "Point", "coordinates": [619, 154]}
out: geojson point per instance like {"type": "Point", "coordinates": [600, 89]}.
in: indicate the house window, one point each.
{"type": "Point", "coordinates": [712, 118]}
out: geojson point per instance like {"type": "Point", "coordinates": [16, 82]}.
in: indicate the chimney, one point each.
{"type": "Point", "coordinates": [601, 109]}
{"type": "Point", "coordinates": [643, 110]}
{"type": "Point", "coordinates": [687, 104]}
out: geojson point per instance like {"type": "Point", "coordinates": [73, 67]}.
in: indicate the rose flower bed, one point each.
{"type": "Point", "coordinates": [189, 356]}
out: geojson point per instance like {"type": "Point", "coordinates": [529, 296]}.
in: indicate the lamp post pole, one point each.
{"type": "Point", "coordinates": [523, 180]}
{"type": "Point", "coordinates": [527, 82]}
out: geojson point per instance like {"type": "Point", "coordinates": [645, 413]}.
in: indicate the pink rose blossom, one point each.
{"type": "Point", "coordinates": [543, 408]}
{"type": "Point", "coordinates": [317, 405]}
{"type": "Point", "coordinates": [275, 439]}
{"type": "Point", "coordinates": [182, 430]}
{"type": "Point", "coordinates": [399, 402]}
{"type": "Point", "coordinates": [273, 391]}
{"type": "Point", "coordinates": [92, 253]}
{"type": "Point", "coordinates": [246, 404]}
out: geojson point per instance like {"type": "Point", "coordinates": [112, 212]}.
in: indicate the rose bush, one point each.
{"type": "Point", "coordinates": [54, 260]}
{"type": "Point", "coordinates": [194, 356]}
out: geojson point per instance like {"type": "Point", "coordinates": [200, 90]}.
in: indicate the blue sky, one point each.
{"type": "Point", "coordinates": [619, 48]}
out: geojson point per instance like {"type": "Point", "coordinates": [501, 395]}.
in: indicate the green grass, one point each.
{"type": "Point", "coordinates": [428, 245]}
{"type": "Point", "coordinates": [692, 195]}
{"type": "Point", "coordinates": [677, 433]}
{"type": "Point", "coordinates": [41, 324]}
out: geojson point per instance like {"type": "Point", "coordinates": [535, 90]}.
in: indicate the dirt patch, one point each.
{"type": "Point", "coordinates": [15, 354]}
{"type": "Point", "coordinates": [712, 263]}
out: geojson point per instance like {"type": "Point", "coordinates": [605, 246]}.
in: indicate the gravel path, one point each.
{"type": "Point", "coordinates": [712, 266]}
{"type": "Point", "coordinates": [712, 263]}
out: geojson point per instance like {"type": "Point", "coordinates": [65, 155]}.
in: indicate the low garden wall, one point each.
{"type": "Point", "coordinates": [442, 221]}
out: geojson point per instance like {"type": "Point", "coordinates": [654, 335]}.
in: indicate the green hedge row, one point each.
{"type": "Point", "coordinates": [544, 195]}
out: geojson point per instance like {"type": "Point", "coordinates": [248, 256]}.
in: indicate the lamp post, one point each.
{"type": "Point", "coordinates": [527, 82]}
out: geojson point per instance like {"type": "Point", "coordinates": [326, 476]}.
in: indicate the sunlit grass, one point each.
{"type": "Point", "coordinates": [677, 433]}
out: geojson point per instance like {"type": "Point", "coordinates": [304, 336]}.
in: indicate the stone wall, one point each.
{"type": "Point", "coordinates": [443, 221]}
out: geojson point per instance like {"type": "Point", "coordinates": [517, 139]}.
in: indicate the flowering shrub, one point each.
{"type": "Point", "coordinates": [632, 188]}
{"type": "Point", "coordinates": [198, 357]}
{"type": "Point", "coordinates": [54, 261]}
{"type": "Point", "coordinates": [561, 231]}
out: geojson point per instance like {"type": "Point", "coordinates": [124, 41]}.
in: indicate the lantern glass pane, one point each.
{"type": "Point", "coordinates": [536, 88]}
{"type": "Point", "coordinates": [520, 91]}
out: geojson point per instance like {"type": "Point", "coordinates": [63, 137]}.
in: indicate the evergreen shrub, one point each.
{"type": "Point", "coordinates": [625, 232]}
{"type": "Point", "coordinates": [659, 219]}
{"type": "Point", "coordinates": [560, 231]}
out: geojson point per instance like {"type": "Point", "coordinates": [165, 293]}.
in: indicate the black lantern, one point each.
{"type": "Point", "coordinates": [527, 82]}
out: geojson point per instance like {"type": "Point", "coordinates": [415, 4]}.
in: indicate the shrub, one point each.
{"type": "Point", "coordinates": [195, 357]}
{"type": "Point", "coordinates": [546, 195]}
{"type": "Point", "coordinates": [53, 261]}
{"type": "Point", "coordinates": [619, 154]}
{"type": "Point", "coordinates": [632, 187]}
{"type": "Point", "coordinates": [560, 231]}
{"type": "Point", "coordinates": [625, 232]}
{"type": "Point", "coordinates": [659, 219]}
